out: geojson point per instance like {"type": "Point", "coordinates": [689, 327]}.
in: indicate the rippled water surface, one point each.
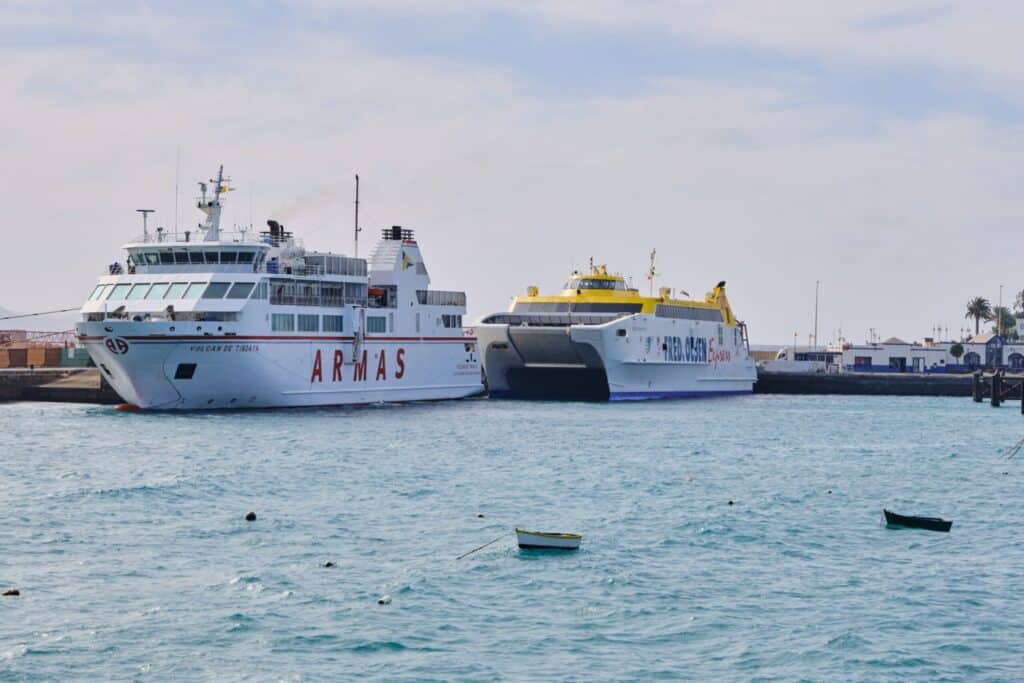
{"type": "Point", "coordinates": [125, 533]}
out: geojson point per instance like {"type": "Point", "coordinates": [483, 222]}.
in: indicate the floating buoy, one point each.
{"type": "Point", "coordinates": [689, 477]}
{"type": "Point", "coordinates": [384, 600]}
{"type": "Point", "coordinates": [480, 515]}
{"type": "Point", "coordinates": [830, 492]}
{"type": "Point", "coordinates": [328, 564]}
{"type": "Point", "coordinates": [250, 516]}
{"type": "Point", "coordinates": [127, 407]}
{"type": "Point", "coordinates": [11, 592]}
{"type": "Point", "coordinates": [730, 502]}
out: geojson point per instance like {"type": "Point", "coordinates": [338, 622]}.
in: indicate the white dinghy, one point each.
{"type": "Point", "coordinates": [545, 541]}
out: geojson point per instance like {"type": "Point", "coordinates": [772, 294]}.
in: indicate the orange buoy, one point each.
{"type": "Point", "coordinates": [127, 406]}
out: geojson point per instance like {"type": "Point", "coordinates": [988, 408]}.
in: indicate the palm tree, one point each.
{"type": "Point", "coordinates": [1003, 316]}
{"type": "Point", "coordinates": [1019, 301]}
{"type": "Point", "coordinates": [980, 309]}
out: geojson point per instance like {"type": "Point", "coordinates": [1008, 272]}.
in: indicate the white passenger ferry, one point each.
{"type": "Point", "coordinates": [599, 339]}
{"type": "Point", "coordinates": [218, 319]}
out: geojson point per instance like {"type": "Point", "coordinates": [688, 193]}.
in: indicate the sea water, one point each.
{"type": "Point", "coordinates": [125, 534]}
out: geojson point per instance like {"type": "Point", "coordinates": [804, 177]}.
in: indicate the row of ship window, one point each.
{"type": "Point", "coordinates": [375, 324]}
{"type": "Point", "coordinates": [303, 322]}
{"type": "Point", "coordinates": [286, 322]}
{"type": "Point", "coordinates": [165, 258]}
{"type": "Point", "coordinates": [177, 290]}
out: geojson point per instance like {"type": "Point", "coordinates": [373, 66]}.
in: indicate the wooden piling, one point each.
{"type": "Point", "coordinates": [978, 388]}
{"type": "Point", "coordinates": [997, 389]}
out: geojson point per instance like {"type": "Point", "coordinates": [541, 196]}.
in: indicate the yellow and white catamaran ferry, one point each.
{"type": "Point", "coordinates": [599, 339]}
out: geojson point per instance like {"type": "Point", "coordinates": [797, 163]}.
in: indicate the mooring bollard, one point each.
{"type": "Point", "coordinates": [997, 389]}
{"type": "Point", "coordinates": [978, 388]}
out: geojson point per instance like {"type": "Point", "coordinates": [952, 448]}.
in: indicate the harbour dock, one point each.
{"type": "Point", "coordinates": [58, 385]}
{"type": "Point", "coordinates": [864, 384]}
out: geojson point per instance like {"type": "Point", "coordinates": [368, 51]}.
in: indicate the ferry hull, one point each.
{"type": "Point", "coordinates": [636, 357]}
{"type": "Point", "coordinates": [198, 372]}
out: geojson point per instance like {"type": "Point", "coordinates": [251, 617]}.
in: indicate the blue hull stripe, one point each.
{"type": "Point", "coordinates": [647, 395]}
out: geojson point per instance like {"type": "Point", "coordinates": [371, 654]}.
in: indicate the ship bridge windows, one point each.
{"type": "Point", "coordinates": [176, 290]}
{"type": "Point", "coordinates": [150, 258]}
{"type": "Point", "coordinates": [194, 290]}
{"type": "Point", "coordinates": [595, 283]}
{"type": "Point", "coordinates": [216, 290]}
{"type": "Point", "coordinates": [158, 290]}
{"type": "Point", "coordinates": [166, 258]}
{"type": "Point", "coordinates": [246, 256]}
{"type": "Point", "coordinates": [119, 292]}
{"type": "Point", "coordinates": [241, 290]}
{"type": "Point", "coordinates": [138, 291]}
{"type": "Point", "coordinates": [180, 257]}
{"type": "Point", "coordinates": [212, 256]}
{"type": "Point", "coordinates": [195, 256]}
{"type": "Point", "coordinates": [229, 257]}
{"type": "Point", "coordinates": [98, 292]}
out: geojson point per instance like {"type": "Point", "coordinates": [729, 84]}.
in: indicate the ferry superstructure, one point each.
{"type": "Point", "coordinates": [599, 339]}
{"type": "Point", "coordinates": [237, 320]}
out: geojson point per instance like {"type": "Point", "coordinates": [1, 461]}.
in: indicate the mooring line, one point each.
{"type": "Point", "coordinates": [481, 547]}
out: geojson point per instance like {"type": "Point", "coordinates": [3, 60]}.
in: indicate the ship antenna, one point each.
{"type": "Point", "coordinates": [652, 273]}
{"type": "Point", "coordinates": [145, 227]}
{"type": "Point", "coordinates": [357, 229]}
{"type": "Point", "coordinates": [177, 169]}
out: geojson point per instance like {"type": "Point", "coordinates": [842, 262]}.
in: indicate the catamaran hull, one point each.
{"type": "Point", "coordinates": [636, 357]}
{"type": "Point", "coordinates": [198, 373]}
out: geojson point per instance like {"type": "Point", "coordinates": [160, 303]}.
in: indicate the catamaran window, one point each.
{"type": "Point", "coordinates": [176, 290]}
{"type": "Point", "coordinates": [591, 283]}
{"type": "Point", "coordinates": [540, 307]}
{"type": "Point", "coordinates": [158, 290]}
{"type": "Point", "coordinates": [212, 257]}
{"type": "Point", "coordinates": [335, 323]}
{"type": "Point", "coordinates": [194, 290]}
{"type": "Point", "coordinates": [181, 257]}
{"type": "Point", "coordinates": [166, 258]}
{"type": "Point", "coordinates": [118, 292]}
{"type": "Point", "coordinates": [151, 258]}
{"type": "Point", "coordinates": [606, 308]}
{"type": "Point", "coordinates": [309, 323]}
{"type": "Point", "coordinates": [216, 290]}
{"type": "Point", "coordinates": [245, 256]}
{"type": "Point", "coordinates": [195, 256]}
{"type": "Point", "coordinates": [138, 291]}
{"type": "Point", "coordinates": [240, 290]}
{"type": "Point", "coordinates": [282, 322]}
{"type": "Point", "coordinates": [228, 256]}
{"type": "Point", "coordinates": [98, 292]}
{"type": "Point", "coordinates": [376, 324]}
{"type": "Point", "coordinates": [688, 312]}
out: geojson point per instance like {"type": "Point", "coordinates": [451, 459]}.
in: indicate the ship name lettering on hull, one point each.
{"type": "Point", "coordinates": [359, 372]}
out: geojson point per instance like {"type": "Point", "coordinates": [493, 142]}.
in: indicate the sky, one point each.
{"type": "Point", "coordinates": [872, 147]}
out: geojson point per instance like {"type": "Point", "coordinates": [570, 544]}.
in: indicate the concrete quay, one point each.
{"type": "Point", "coordinates": [58, 385]}
{"type": "Point", "coordinates": [865, 384]}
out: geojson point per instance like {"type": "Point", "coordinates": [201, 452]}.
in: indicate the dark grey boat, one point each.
{"type": "Point", "coordinates": [911, 522]}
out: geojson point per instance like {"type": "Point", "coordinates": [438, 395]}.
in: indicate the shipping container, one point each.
{"type": "Point", "coordinates": [43, 356]}
{"type": "Point", "coordinates": [13, 358]}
